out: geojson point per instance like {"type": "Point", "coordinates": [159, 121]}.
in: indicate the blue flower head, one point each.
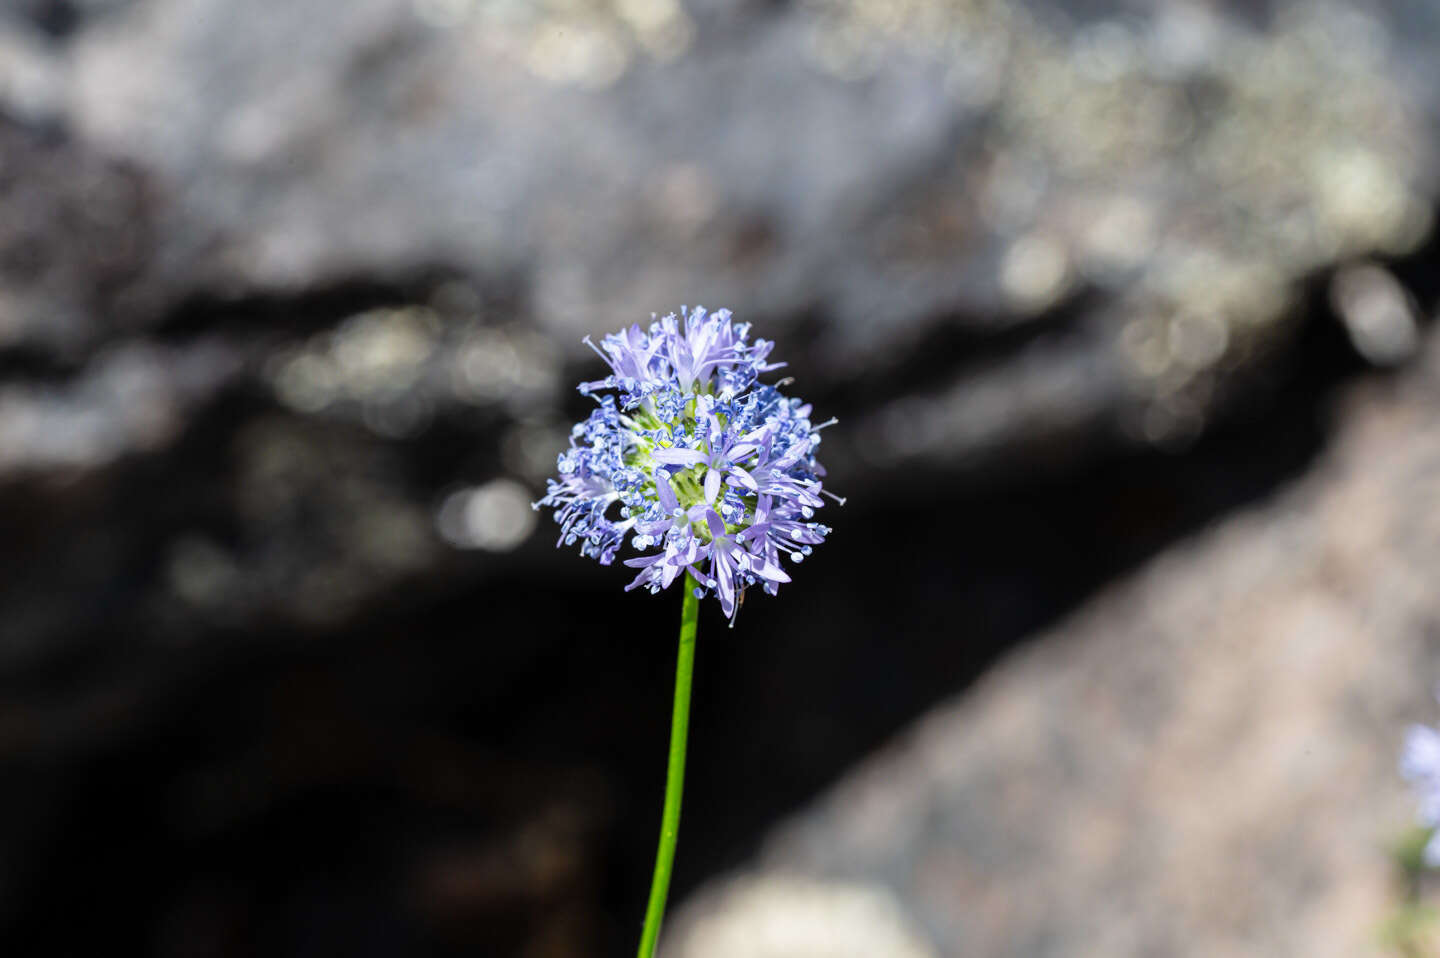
{"type": "Point", "coordinates": [703, 467]}
{"type": "Point", "coordinates": [1420, 766]}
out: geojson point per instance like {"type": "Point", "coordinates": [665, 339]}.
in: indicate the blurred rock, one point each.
{"type": "Point", "coordinates": [986, 232]}
{"type": "Point", "coordinates": [78, 234]}
{"type": "Point", "coordinates": [134, 398]}
{"type": "Point", "coordinates": [1377, 313]}
{"type": "Point", "coordinates": [1201, 761]}
{"type": "Point", "coordinates": [796, 918]}
{"type": "Point", "coordinates": [890, 170]}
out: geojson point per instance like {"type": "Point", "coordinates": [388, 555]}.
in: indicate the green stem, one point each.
{"type": "Point", "coordinates": [675, 774]}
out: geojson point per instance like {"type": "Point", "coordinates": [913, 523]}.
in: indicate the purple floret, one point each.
{"type": "Point", "coordinates": [689, 455]}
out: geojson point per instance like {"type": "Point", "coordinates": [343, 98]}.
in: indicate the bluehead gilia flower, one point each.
{"type": "Point", "coordinates": [1420, 766]}
{"type": "Point", "coordinates": [703, 467]}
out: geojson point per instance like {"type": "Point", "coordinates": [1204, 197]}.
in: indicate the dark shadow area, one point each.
{"type": "Point", "coordinates": [315, 309]}
{"type": "Point", "coordinates": [958, 342]}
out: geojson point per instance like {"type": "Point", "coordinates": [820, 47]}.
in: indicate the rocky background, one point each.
{"type": "Point", "coordinates": [1124, 309]}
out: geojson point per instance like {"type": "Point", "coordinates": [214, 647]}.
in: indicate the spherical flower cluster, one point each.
{"type": "Point", "coordinates": [703, 467]}
{"type": "Point", "coordinates": [1420, 766]}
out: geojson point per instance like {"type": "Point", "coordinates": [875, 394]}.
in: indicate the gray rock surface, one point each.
{"type": "Point", "coordinates": [1200, 761]}
{"type": "Point", "coordinates": [986, 232]}
{"type": "Point", "coordinates": [894, 171]}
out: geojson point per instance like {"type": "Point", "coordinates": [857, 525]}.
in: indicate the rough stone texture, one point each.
{"type": "Point", "coordinates": [1154, 178]}
{"type": "Point", "coordinates": [1201, 761]}
{"type": "Point", "coordinates": [988, 232]}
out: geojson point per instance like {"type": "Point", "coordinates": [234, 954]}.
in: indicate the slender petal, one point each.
{"type": "Point", "coordinates": [742, 479]}
{"type": "Point", "coordinates": [664, 492]}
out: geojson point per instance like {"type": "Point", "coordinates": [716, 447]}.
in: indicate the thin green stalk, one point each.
{"type": "Point", "coordinates": [675, 774]}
